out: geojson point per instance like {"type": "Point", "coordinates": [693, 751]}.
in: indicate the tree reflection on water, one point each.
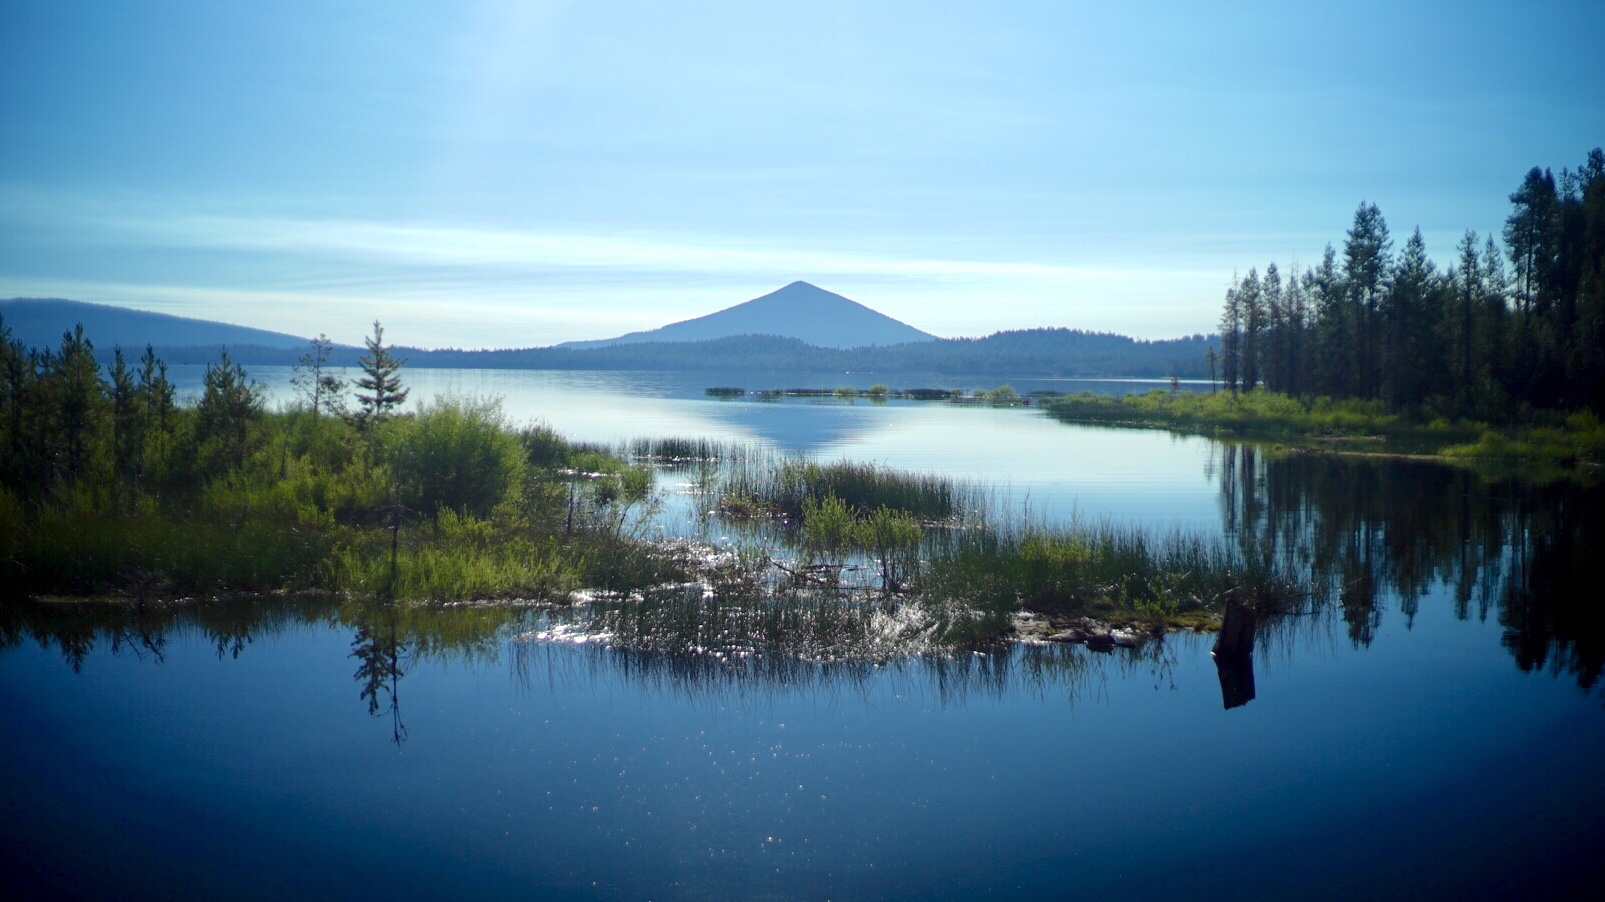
{"type": "Point", "coordinates": [379, 671]}
{"type": "Point", "coordinates": [1377, 530]}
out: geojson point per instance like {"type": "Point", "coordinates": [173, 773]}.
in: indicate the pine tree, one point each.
{"type": "Point", "coordinates": [1590, 331]}
{"type": "Point", "coordinates": [1231, 337]}
{"type": "Point", "coordinates": [1334, 327]}
{"type": "Point", "coordinates": [1467, 280]}
{"type": "Point", "coordinates": [1406, 325]}
{"type": "Point", "coordinates": [1496, 314]}
{"type": "Point", "coordinates": [1297, 311]}
{"type": "Point", "coordinates": [1365, 270]}
{"type": "Point", "coordinates": [1275, 342]}
{"type": "Point", "coordinates": [230, 403]}
{"type": "Point", "coordinates": [1530, 234]}
{"type": "Point", "coordinates": [381, 386]}
{"type": "Point", "coordinates": [155, 391]}
{"type": "Point", "coordinates": [127, 428]}
{"type": "Point", "coordinates": [1252, 300]}
{"type": "Point", "coordinates": [73, 380]}
{"type": "Point", "coordinates": [321, 388]}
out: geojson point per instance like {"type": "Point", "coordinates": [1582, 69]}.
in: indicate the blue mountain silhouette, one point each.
{"type": "Point", "coordinates": [800, 310]}
{"type": "Point", "coordinates": [39, 322]}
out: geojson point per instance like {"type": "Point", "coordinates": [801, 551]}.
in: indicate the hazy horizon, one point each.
{"type": "Point", "coordinates": [510, 174]}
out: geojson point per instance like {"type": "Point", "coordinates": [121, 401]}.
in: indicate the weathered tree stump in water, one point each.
{"type": "Point", "coordinates": [1234, 655]}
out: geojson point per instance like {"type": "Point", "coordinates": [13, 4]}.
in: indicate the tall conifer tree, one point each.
{"type": "Point", "coordinates": [381, 392]}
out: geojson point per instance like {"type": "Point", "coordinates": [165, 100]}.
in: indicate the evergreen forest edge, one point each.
{"type": "Point", "coordinates": [1368, 350]}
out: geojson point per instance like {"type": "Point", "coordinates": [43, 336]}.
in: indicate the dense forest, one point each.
{"type": "Point", "coordinates": [1472, 339]}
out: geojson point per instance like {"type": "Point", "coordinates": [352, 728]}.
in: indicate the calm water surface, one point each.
{"type": "Point", "coordinates": [1034, 462]}
{"type": "Point", "coordinates": [1434, 729]}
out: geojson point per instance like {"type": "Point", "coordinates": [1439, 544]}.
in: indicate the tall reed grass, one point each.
{"type": "Point", "coordinates": [781, 486]}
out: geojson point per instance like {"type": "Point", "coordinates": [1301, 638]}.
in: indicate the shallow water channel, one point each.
{"type": "Point", "coordinates": [1435, 727]}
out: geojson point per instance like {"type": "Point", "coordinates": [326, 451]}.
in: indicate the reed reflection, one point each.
{"type": "Point", "coordinates": [949, 678]}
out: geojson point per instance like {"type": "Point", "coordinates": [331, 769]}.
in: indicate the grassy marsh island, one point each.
{"type": "Point", "coordinates": [1558, 442]}
{"type": "Point", "coordinates": [938, 559]}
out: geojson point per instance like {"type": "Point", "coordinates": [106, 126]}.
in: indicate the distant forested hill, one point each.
{"type": "Point", "coordinates": [39, 322]}
{"type": "Point", "coordinates": [1039, 352]}
{"type": "Point", "coordinates": [1028, 352]}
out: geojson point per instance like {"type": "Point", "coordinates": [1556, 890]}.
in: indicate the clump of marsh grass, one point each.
{"type": "Point", "coordinates": [679, 452]}
{"type": "Point", "coordinates": [1116, 574]}
{"type": "Point", "coordinates": [783, 487]}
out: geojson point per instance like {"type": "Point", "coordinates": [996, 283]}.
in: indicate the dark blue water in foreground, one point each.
{"type": "Point", "coordinates": [1425, 763]}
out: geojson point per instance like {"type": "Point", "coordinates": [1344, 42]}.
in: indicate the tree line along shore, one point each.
{"type": "Point", "coordinates": [1471, 341]}
{"type": "Point", "coordinates": [1368, 351]}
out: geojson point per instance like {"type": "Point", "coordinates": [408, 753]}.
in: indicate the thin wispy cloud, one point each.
{"type": "Point", "coordinates": [471, 246]}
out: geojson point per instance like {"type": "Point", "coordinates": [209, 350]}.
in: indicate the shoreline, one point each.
{"type": "Point", "coordinates": [1569, 445]}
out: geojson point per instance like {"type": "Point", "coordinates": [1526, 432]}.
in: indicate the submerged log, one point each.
{"type": "Point", "coordinates": [1234, 655]}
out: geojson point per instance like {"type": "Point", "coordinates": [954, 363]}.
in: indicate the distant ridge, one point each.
{"type": "Point", "coordinates": [39, 322]}
{"type": "Point", "coordinates": [1068, 353]}
{"type": "Point", "coordinates": [1027, 352]}
{"type": "Point", "coordinates": [800, 310]}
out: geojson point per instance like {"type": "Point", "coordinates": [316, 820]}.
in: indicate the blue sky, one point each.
{"type": "Point", "coordinates": [507, 174]}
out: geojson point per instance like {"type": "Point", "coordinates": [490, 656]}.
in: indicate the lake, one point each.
{"type": "Point", "coordinates": [1126, 475]}
{"type": "Point", "coordinates": [1434, 728]}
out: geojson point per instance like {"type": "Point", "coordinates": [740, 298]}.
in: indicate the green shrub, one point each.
{"type": "Point", "coordinates": [893, 538]}
{"type": "Point", "coordinates": [828, 527]}
{"type": "Point", "coordinates": [456, 454]}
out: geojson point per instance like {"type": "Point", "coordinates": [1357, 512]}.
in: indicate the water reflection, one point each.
{"type": "Point", "coordinates": [1234, 655]}
{"type": "Point", "coordinates": [951, 678]}
{"type": "Point", "coordinates": [379, 650]}
{"type": "Point", "coordinates": [1375, 532]}
{"type": "Point", "coordinates": [390, 641]}
{"type": "Point", "coordinates": [146, 629]}
{"type": "Point", "coordinates": [1375, 537]}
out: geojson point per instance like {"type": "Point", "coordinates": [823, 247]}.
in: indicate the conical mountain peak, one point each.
{"type": "Point", "coordinates": [799, 310]}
